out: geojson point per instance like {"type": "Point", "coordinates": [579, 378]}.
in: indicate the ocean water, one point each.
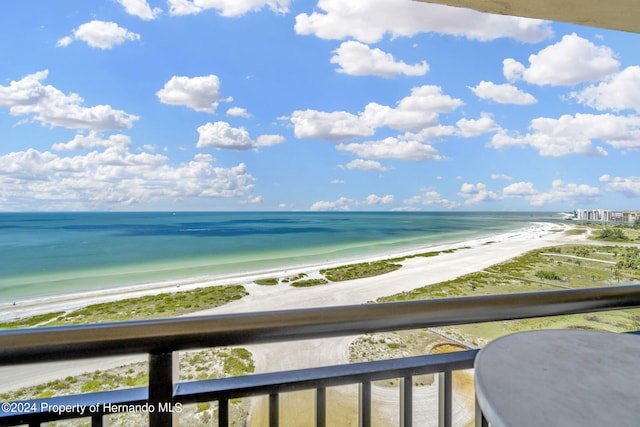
{"type": "Point", "coordinates": [43, 254]}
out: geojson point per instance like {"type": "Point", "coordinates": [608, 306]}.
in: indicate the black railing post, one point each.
{"type": "Point", "coordinates": [365, 404]}
{"type": "Point", "coordinates": [321, 407]}
{"type": "Point", "coordinates": [406, 401]}
{"type": "Point", "coordinates": [274, 410]}
{"type": "Point", "coordinates": [163, 373]}
{"type": "Point", "coordinates": [445, 398]}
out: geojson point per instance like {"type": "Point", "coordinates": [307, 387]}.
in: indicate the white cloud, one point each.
{"type": "Point", "coordinates": [393, 148]}
{"type": "Point", "coordinates": [252, 200]}
{"type": "Point", "coordinates": [335, 126]}
{"type": "Point", "coordinates": [113, 179]}
{"type": "Point", "coordinates": [50, 106]}
{"type": "Point", "coordinates": [629, 186]}
{"type": "Point", "coordinates": [238, 112]}
{"type": "Point", "coordinates": [620, 92]}
{"type": "Point", "coordinates": [346, 204]}
{"type": "Point", "coordinates": [569, 194]}
{"type": "Point", "coordinates": [198, 93]}
{"type": "Point", "coordinates": [369, 21]}
{"type": "Point", "coordinates": [501, 176]}
{"type": "Point", "coordinates": [470, 127]}
{"type": "Point", "coordinates": [503, 93]}
{"type": "Point", "coordinates": [477, 193]}
{"type": "Point", "coordinates": [358, 59]}
{"type": "Point", "coordinates": [576, 134]}
{"type": "Point", "coordinates": [519, 189]}
{"type": "Point", "coordinates": [429, 197]}
{"type": "Point", "coordinates": [99, 34]}
{"type": "Point", "coordinates": [364, 165]}
{"type": "Point", "coordinates": [414, 112]}
{"type": "Point", "coordinates": [93, 140]}
{"type": "Point", "coordinates": [571, 61]}
{"type": "Point", "coordinates": [140, 8]}
{"type": "Point", "coordinates": [342, 204]}
{"type": "Point", "coordinates": [417, 111]}
{"type": "Point", "coordinates": [221, 135]}
{"type": "Point", "coordinates": [227, 8]}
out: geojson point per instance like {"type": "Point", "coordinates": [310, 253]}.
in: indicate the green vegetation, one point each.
{"type": "Point", "coordinates": [559, 267]}
{"type": "Point", "coordinates": [267, 282]}
{"type": "Point", "coordinates": [359, 271]}
{"type": "Point", "coordinates": [612, 234]}
{"type": "Point", "coordinates": [29, 322]}
{"type": "Point", "coordinates": [294, 278]}
{"type": "Point", "coordinates": [548, 275]}
{"type": "Point", "coordinates": [309, 282]}
{"type": "Point", "coordinates": [146, 307]}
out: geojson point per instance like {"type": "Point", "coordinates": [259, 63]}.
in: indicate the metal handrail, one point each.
{"type": "Point", "coordinates": [167, 335]}
{"type": "Point", "coordinates": [161, 338]}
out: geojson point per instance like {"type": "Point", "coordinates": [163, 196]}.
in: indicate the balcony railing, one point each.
{"type": "Point", "coordinates": [161, 339]}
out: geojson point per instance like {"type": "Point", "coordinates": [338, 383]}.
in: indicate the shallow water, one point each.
{"type": "Point", "coordinates": [44, 254]}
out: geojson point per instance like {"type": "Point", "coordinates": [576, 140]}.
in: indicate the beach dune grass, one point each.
{"type": "Point", "coordinates": [360, 270]}
{"type": "Point", "coordinates": [163, 305]}
{"type": "Point", "coordinates": [155, 306]}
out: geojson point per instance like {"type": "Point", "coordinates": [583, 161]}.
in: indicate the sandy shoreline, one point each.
{"type": "Point", "coordinates": [68, 302]}
{"type": "Point", "coordinates": [416, 272]}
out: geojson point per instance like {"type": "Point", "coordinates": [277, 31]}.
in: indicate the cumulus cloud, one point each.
{"type": "Point", "coordinates": [429, 197]}
{"type": "Point", "coordinates": [334, 126]}
{"type": "Point", "coordinates": [50, 106]}
{"type": "Point", "coordinates": [238, 112]}
{"type": "Point", "coordinates": [222, 135]}
{"type": "Point", "coordinates": [140, 8]}
{"type": "Point", "coordinates": [576, 134]}
{"type": "Point", "coordinates": [346, 204]}
{"type": "Point", "coordinates": [227, 8]}
{"type": "Point", "coordinates": [629, 186]}
{"type": "Point", "coordinates": [519, 189]}
{"type": "Point", "coordinates": [99, 34]}
{"type": "Point", "coordinates": [371, 20]}
{"type": "Point", "coordinates": [358, 59]}
{"type": "Point", "coordinates": [113, 178]}
{"type": "Point", "coordinates": [503, 93]}
{"type": "Point", "coordinates": [198, 93]}
{"type": "Point", "coordinates": [364, 165]}
{"type": "Point", "coordinates": [471, 127]}
{"type": "Point", "coordinates": [620, 92]}
{"type": "Point", "coordinates": [415, 112]}
{"type": "Point", "coordinates": [501, 176]}
{"type": "Point", "coordinates": [93, 140]}
{"type": "Point", "coordinates": [572, 194]}
{"type": "Point", "coordinates": [393, 148]}
{"type": "Point", "coordinates": [477, 193]}
{"type": "Point", "coordinates": [571, 61]}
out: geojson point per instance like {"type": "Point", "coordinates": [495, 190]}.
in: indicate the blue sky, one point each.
{"type": "Point", "coordinates": [312, 105]}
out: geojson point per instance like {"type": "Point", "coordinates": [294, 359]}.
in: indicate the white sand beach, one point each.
{"type": "Point", "coordinates": [416, 272]}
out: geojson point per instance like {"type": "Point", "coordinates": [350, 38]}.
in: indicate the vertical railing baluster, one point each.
{"type": "Point", "coordinates": [365, 404]}
{"type": "Point", "coordinates": [163, 372]}
{"type": "Point", "coordinates": [274, 410]}
{"type": "Point", "coordinates": [445, 398]}
{"type": "Point", "coordinates": [321, 407]}
{"type": "Point", "coordinates": [223, 413]}
{"type": "Point", "coordinates": [98, 421]}
{"type": "Point", "coordinates": [406, 402]}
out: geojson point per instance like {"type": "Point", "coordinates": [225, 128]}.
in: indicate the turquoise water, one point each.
{"type": "Point", "coordinates": [45, 254]}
